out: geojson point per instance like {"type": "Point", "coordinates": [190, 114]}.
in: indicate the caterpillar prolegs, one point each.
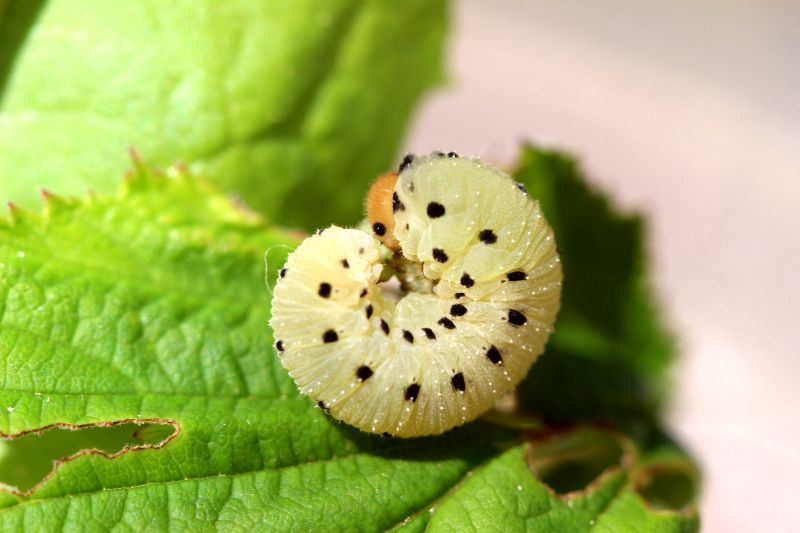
{"type": "Point", "coordinates": [475, 291]}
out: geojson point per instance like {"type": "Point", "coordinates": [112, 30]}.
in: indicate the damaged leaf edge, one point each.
{"type": "Point", "coordinates": [88, 451]}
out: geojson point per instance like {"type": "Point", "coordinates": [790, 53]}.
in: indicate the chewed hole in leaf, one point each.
{"type": "Point", "coordinates": [27, 459]}
{"type": "Point", "coordinates": [668, 487]}
{"type": "Point", "coordinates": [570, 462]}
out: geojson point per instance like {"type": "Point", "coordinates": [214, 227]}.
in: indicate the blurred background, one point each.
{"type": "Point", "coordinates": [689, 113]}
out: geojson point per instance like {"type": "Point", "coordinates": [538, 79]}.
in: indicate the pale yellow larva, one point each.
{"type": "Point", "coordinates": [478, 291]}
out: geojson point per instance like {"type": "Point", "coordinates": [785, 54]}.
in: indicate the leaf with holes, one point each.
{"type": "Point", "coordinates": [293, 105]}
{"type": "Point", "coordinates": [133, 334]}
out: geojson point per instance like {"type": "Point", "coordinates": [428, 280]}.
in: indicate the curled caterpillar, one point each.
{"type": "Point", "coordinates": [476, 289]}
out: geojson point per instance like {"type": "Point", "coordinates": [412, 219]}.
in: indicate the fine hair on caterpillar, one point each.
{"type": "Point", "coordinates": [424, 323]}
{"type": "Point", "coordinates": [266, 264]}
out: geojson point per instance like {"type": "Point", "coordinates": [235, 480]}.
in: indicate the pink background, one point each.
{"type": "Point", "coordinates": [690, 113]}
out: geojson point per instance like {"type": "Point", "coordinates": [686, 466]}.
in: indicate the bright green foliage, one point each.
{"type": "Point", "coordinates": [609, 352]}
{"type": "Point", "coordinates": [294, 105]}
{"type": "Point", "coordinates": [151, 305]}
{"type": "Point", "coordinates": [28, 459]}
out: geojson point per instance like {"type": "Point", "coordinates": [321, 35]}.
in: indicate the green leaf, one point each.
{"type": "Point", "coordinates": [29, 458]}
{"type": "Point", "coordinates": [507, 493]}
{"type": "Point", "coordinates": [292, 105]}
{"type": "Point", "coordinates": [149, 307]}
{"type": "Point", "coordinates": [610, 351]}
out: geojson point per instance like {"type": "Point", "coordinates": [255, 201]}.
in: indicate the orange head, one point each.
{"type": "Point", "coordinates": [382, 202]}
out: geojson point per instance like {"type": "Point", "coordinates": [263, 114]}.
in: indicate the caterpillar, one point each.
{"type": "Point", "coordinates": [426, 323]}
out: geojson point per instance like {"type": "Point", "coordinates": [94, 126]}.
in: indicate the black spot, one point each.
{"type": "Point", "coordinates": [458, 295]}
{"type": "Point", "coordinates": [467, 281]}
{"type": "Point", "coordinates": [522, 188]}
{"type": "Point", "coordinates": [435, 210]}
{"type": "Point", "coordinates": [360, 251]}
{"type": "Point", "coordinates": [369, 311]}
{"type": "Point", "coordinates": [407, 226]}
{"type": "Point", "coordinates": [363, 293]}
{"type": "Point", "coordinates": [397, 205]}
{"type": "Point", "coordinates": [384, 326]}
{"type": "Point", "coordinates": [330, 336]}
{"type": "Point", "coordinates": [458, 382]}
{"type": "Point", "coordinates": [516, 318]}
{"type": "Point", "coordinates": [282, 272]}
{"type": "Point", "coordinates": [345, 264]}
{"type": "Point", "coordinates": [321, 405]}
{"type": "Point", "coordinates": [494, 355]}
{"type": "Point", "coordinates": [452, 154]}
{"type": "Point", "coordinates": [324, 289]}
{"type": "Point", "coordinates": [407, 335]}
{"type": "Point", "coordinates": [386, 434]}
{"type": "Point", "coordinates": [406, 162]}
{"type": "Point", "coordinates": [439, 255]}
{"type": "Point", "coordinates": [487, 236]}
{"type": "Point", "coordinates": [411, 187]}
{"type": "Point", "coordinates": [279, 346]}
{"type": "Point", "coordinates": [319, 231]}
{"type": "Point", "coordinates": [446, 322]}
{"type": "Point", "coordinates": [429, 333]}
{"type": "Point", "coordinates": [379, 229]}
{"type": "Point", "coordinates": [412, 391]}
{"type": "Point", "coordinates": [438, 153]}
{"type": "Point", "coordinates": [458, 310]}
{"type": "Point", "coordinates": [517, 275]}
{"type": "Point", "coordinates": [364, 373]}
